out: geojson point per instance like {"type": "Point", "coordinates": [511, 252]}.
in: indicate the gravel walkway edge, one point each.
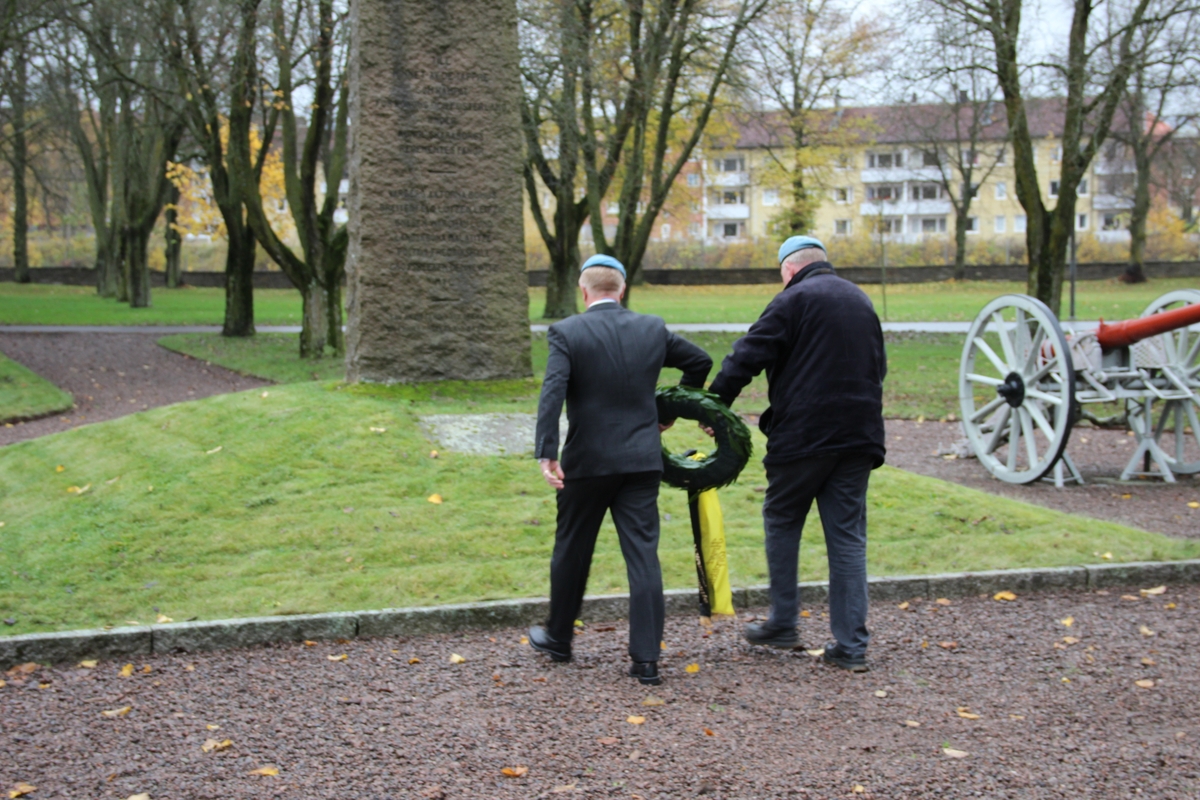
{"type": "Point", "coordinates": [250, 631]}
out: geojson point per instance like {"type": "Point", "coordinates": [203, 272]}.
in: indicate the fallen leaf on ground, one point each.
{"type": "Point", "coordinates": [1016, 716]}
{"type": "Point", "coordinates": [341, 657]}
{"type": "Point", "coordinates": [942, 601]}
{"type": "Point", "coordinates": [1004, 595]}
{"type": "Point", "coordinates": [455, 658]}
{"type": "Point", "coordinates": [815, 653]}
{"type": "Point", "coordinates": [948, 645]}
{"type": "Point", "coordinates": [709, 732]}
{"type": "Point", "coordinates": [212, 727]}
{"type": "Point", "coordinates": [1148, 662]}
{"type": "Point", "coordinates": [654, 701]}
{"type": "Point", "coordinates": [1126, 496]}
{"type": "Point", "coordinates": [514, 772]}
{"type": "Point", "coordinates": [139, 796]}
{"type": "Point", "coordinates": [608, 740]}
{"type": "Point", "coordinates": [436, 499]}
{"type": "Point", "coordinates": [1130, 597]}
{"type": "Point", "coordinates": [126, 671]}
{"type": "Point", "coordinates": [1169, 606]}
{"type": "Point", "coordinates": [433, 453]}
{"type": "Point", "coordinates": [163, 619]}
{"type": "Point", "coordinates": [113, 713]}
{"type": "Point", "coordinates": [1070, 640]}
{"type": "Point", "coordinates": [190, 668]}
{"type": "Point", "coordinates": [414, 661]}
{"type": "Point", "coordinates": [1067, 621]}
{"type": "Point", "coordinates": [524, 640]}
{"type": "Point", "coordinates": [1193, 504]}
{"type": "Point", "coordinates": [965, 712]}
{"type": "Point", "coordinates": [60, 468]}
{"type": "Point", "coordinates": [309, 643]}
{"type": "Point", "coordinates": [216, 449]}
{"type": "Point", "coordinates": [858, 788]}
{"type": "Point", "coordinates": [1106, 556]}
{"type": "Point", "coordinates": [213, 746]}
{"type": "Point", "coordinates": [146, 669]}
{"type": "Point", "coordinates": [88, 664]}
{"type": "Point", "coordinates": [1150, 592]}
{"type": "Point", "coordinates": [21, 789]}
{"type": "Point", "coordinates": [692, 669]}
{"type": "Point", "coordinates": [1146, 631]}
{"type": "Point", "coordinates": [567, 787]}
{"type": "Point", "coordinates": [269, 769]}
{"type": "Point", "coordinates": [78, 489]}
{"type": "Point", "coordinates": [805, 613]}
{"type": "Point", "coordinates": [264, 394]}
{"type": "Point", "coordinates": [633, 719]}
{"type": "Point", "coordinates": [1145, 683]}
{"type": "Point", "coordinates": [903, 606]}
{"type": "Point", "coordinates": [378, 430]}
{"type": "Point", "coordinates": [911, 723]}
{"type": "Point", "coordinates": [950, 751]}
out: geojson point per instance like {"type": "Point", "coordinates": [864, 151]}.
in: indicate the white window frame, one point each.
{"type": "Point", "coordinates": [972, 225]}
{"type": "Point", "coordinates": [1054, 188]}
{"type": "Point", "coordinates": [1020, 223]}
{"type": "Point", "coordinates": [1001, 190]}
{"type": "Point", "coordinates": [770, 197]}
{"type": "Point", "coordinates": [1000, 224]}
{"type": "Point", "coordinates": [844, 224]}
{"type": "Point", "coordinates": [1082, 222]}
{"type": "Point", "coordinates": [843, 195]}
{"type": "Point", "coordinates": [1083, 188]}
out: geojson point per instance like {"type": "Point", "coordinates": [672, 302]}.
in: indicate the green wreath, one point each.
{"type": "Point", "coordinates": [731, 435]}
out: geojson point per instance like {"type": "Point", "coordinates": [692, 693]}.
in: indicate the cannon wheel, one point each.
{"type": "Point", "coordinates": [1016, 387]}
{"type": "Point", "coordinates": [1176, 427]}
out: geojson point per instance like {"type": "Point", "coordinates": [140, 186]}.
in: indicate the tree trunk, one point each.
{"type": "Point", "coordinates": [563, 277]}
{"type": "Point", "coordinates": [962, 214]}
{"type": "Point", "coordinates": [174, 241]}
{"type": "Point", "coordinates": [239, 283]}
{"type": "Point", "coordinates": [1136, 272]}
{"type": "Point", "coordinates": [335, 338]}
{"type": "Point", "coordinates": [137, 246]}
{"type": "Point", "coordinates": [800, 221]}
{"type": "Point", "coordinates": [121, 267]}
{"type": "Point", "coordinates": [313, 332]}
{"type": "Point", "coordinates": [20, 157]}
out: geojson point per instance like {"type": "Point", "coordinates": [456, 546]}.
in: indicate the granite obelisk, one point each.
{"type": "Point", "coordinates": [436, 284]}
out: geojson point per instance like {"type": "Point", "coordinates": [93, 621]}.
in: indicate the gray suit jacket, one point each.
{"type": "Point", "coordinates": [605, 363]}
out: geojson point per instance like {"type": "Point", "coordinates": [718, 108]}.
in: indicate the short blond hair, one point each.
{"type": "Point", "coordinates": [602, 280]}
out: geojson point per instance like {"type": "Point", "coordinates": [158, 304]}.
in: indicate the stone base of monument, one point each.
{"type": "Point", "coordinates": [486, 434]}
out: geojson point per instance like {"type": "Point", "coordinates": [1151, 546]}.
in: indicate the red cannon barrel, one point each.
{"type": "Point", "coordinates": [1123, 334]}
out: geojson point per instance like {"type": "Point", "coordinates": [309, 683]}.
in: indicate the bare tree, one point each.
{"type": "Point", "coordinates": [1177, 173]}
{"type": "Point", "coordinates": [317, 270]}
{"type": "Point", "coordinates": [805, 56]}
{"type": "Point", "coordinates": [1161, 100]}
{"type": "Point", "coordinates": [1093, 92]}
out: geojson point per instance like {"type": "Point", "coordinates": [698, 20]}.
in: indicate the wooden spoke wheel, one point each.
{"type": "Point", "coordinates": [1016, 387]}
{"type": "Point", "coordinates": [1175, 424]}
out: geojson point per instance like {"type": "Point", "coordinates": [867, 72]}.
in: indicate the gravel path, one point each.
{"type": "Point", "coordinates": [1059, 713]}
{"type": "Point", "coordinates": [1152, 505]}
{"type": "Point", "coordinates": [111, 375]}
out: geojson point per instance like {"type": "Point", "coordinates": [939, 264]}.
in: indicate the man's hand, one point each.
{"type": "Point", "coordinates": [552, 472]}
{"type": "Point", "coordinates": [706, 429]}
{"type": "Point", "coordinates": [662, 427]}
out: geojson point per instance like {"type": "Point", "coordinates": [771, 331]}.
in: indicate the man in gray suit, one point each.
{"type": "Point", "coordinates": [605, 363]}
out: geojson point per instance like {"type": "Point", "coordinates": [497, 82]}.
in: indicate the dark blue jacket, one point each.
{"type": "Point", "coordinates": [822, 347]}
{"type": "Point", "coordinates": [605, 363]}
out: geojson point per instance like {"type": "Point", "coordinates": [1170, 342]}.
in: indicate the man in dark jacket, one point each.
{"type": "Point", "coordinates": [605, 363]}
{"type": "Point", "coordinates": [821, 345]}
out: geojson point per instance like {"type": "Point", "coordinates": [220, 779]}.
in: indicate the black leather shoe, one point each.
{"type": "Point", "coordinates": [835, 656]}
{"type": "Point", "coordinates": [783, 638]}
{"type": "Point", "coordinates": [540, 640]}
{"type": "Point", "coordinates": [646, 672]}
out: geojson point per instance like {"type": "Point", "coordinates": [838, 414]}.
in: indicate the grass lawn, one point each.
{"type": "Point", "coordinates": [25, 394]}
{"type": "Point", "coordinates": [48, 304]}
{"type": "Point", "coordinates": [39, 304]}
{"type": "Point", "coordinates": [922, 367]}
{"type": "Point", "coordinates": [288, 502]}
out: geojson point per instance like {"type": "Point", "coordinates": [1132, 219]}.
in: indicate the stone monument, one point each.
{"type": "Point", "coordinates": [436, 284]}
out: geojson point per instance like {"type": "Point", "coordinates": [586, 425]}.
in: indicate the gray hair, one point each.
{"type": "Point", "coordinates": [804, 257]}
{"type": "Point", "coordinates": [602, 280]}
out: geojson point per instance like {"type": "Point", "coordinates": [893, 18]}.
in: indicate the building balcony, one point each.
{"type": "Point", "coordinates": [1111, 202]}
{"type": "Point", "coordinates": [901, 174]}
{"type": "Point", "coordinates": [729, 179]}
{"type": "Point", "coordinates": [1112, 237]}
{"type": "Point", "coordinates": [731, 211]}
{"type": "Point", "coordinates": [1114, 168]}
{"type": "Point", "coordinates": [920, 208]}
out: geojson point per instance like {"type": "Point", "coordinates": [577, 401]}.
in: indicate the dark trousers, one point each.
{"type": "Point", "coordinates": [582, 503]}
{"type": "Point", "coordinates": [839, 485]}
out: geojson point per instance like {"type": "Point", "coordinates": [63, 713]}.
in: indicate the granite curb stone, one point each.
{"type": "Point", "coordinates": [118, 643]}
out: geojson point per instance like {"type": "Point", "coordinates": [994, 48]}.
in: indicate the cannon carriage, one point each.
{"type": "Point", "coordinates": [1025, 380]}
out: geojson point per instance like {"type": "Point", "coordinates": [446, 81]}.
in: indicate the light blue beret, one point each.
{"type": "Point", "coordinates": [604, 261]}
{"type": "Point", "coordinates": [798, 243]}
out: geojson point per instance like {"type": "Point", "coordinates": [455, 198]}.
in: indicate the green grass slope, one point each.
{"type": "Point", "coordinates": [287, 502]}
{"type": "Point", "coordinates": [26, 395]}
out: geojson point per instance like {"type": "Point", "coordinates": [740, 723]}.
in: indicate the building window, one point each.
{"type": "Point", "coordinates": [693, 179]}
{"type": "Point", "coordinates": [891, 225]}
{"type": "Point", "coordinates": [614, 209]}
{"type": "Point", "coordinates": [1112, 222]}
{"type": "Point", "coordinates": [729, 230]}
{"type": "Point", "coordinates": [1083, 189]}
{"type": "Point", "coordinates": [694, 229]}
{"type": "Point", "coordinates": [926, 191]}
{"type": "Point", "coordinates": [731, 164]}
{"type": "Point", "coordinates": [841, 194]}
{"type": "Point", "coordinates": [929, 225]}
{"type": "Point", "coordinates": [841, 227]}
{"type": "Point", "coordinates": [1056, 154]}
{"type": "Point", "coordinates": [730, 198]}
{"type": "Point", "coordinates": [842, 162]}
{"type": "Point", "coordinates": [770, 197]}
{"type": "Point", "coordinates": [883, 193]}
{"type": "Point", "coordinates": [1081, 222]}
{"type": "Point", "coordinates": [1001, 190]}
{"type": "Point", "coordinates": [665, 231]}
{"type": "Point", "coordinates": [970, 157]}
{"type": "Point", "coordinates": [1019, 223]}
{"type": "Point", "coordinates": [929, 158]}
{"type": "Point", "coordinates": [1001, 224]}
{"type": "Point", "coordinates": [884, 160]}
{"type": "Point", "coordinates": [972, 225]}
{"type": "Point", "coordinates": [1054, 188]}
